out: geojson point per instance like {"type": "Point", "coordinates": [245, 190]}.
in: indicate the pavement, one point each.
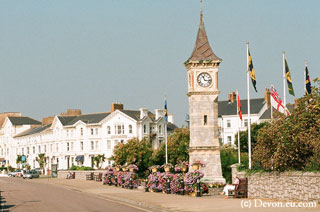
{"type": "Point", "coordinates": [171, 202]}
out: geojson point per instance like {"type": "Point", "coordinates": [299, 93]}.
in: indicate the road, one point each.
{"type": "Point", "coordinates": [25, 195]}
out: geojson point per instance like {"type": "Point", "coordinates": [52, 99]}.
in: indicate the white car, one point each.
{"type": "Point", "coordinates": [30, 174]}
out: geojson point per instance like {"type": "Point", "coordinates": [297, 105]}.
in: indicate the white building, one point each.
{"type": "Point", "coordinates": [74, 139]}
{"type": "Point", "coordinates": [229, 121]}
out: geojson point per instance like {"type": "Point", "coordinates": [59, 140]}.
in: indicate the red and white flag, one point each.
{"type": "Point", "coordinates": [239, 107]}
{"type": "Point", "coordinates": [276, 102]}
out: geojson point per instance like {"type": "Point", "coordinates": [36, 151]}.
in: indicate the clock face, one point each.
{"type": "Point", "coordinates": [204, 79]}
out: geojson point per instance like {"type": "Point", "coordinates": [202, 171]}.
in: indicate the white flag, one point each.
{"type": "Point", "coordinates": [276, 101]}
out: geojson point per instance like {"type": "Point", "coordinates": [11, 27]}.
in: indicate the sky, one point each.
{"type": "Point", "coordinates": [82, 54]}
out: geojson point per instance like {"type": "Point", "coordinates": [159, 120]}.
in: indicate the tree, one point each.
{"type": "Point", "coordinates": [99, 159]}
{"type": "Point", "coordinates": [19, 160]}
{"type": "Point", "coordinates": [178, 144]}
{"type": "Point", "coordinates": [41, 159]}
{"type": "Point", "coordinates": [292, 142]}
{"type": "Point", "coordinates": [244, 136]}
{"type": "Point", "coordinates": [134, 152]}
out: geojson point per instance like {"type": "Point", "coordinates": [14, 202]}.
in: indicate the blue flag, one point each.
{"type": "Point", "coordinates": [165, 111]}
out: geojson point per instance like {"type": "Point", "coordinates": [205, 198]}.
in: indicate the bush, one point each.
{"type": "Point", "coordinates": [292, 142]}
{"type": "Point", "coordinates": [229, 156]}
{"type": "Point", "coordinates": [81, 168]}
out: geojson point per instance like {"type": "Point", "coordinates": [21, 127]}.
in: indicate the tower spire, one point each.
{"type": "Point", "coordinates": [202, 50]}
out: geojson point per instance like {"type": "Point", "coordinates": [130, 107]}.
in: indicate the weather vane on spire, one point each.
{"type": "Point", "coordinates": [201, 11]}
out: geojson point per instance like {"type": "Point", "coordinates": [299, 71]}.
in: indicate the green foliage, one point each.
{"type": "Point", "coordinates": [134, 152]}
{"type": "Point", "coordinates": [42, 161]}
{"type": "Point", "coordinates": [19, 160]}
{"type": "Point", "coordinates": [292, 142]}
{"type": "Point", "coordinates": [99, 159]}
{"type": "Point", "coordinates": [244, 136]}
{"type": "Point", "coordinates": [81, 168]}
{"type": "Point", "coordinates": [229, 156]}
{"type": "Point", "coordinates": [178, 144]}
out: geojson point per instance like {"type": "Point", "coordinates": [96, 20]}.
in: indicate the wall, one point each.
{"type": "Point", "coordinates": [298, 186]}
{"type": "Point", "coordinates": [80, 175]}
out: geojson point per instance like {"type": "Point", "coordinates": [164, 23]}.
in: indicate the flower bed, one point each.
{"type": "Point", "coordinates": [123, 179]}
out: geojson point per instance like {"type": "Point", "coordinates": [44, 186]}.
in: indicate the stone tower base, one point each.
{"type": "Point", "coordinates": [210, 156]}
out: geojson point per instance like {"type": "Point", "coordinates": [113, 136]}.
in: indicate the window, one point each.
{"type": "Point", "coordinates": [115, 142]}
{"type": "Point", "coordinates": [34, 150]}
{"type": "Point", "coordinates": [228, 123]}
{"type": "Point", "coordinates": [91, 131]}
{"type": "Point", "coordinates": [150, 130]}
{"type": "Point", "coordinates": [205, 120]}
{"type": "Point", "coordinates": [246, 122]}
{"type": "Point", "coordinates": [119, 129]}
{"type": "Point", "coordinates": [81, 131]}
{"type": "Point", "coordinates": [144, 128]}
{"type": "Point", "coordinates": [160, 142]}
{"type": "Point", "coordinates": [229, 139]}
{"type": "Point", "coordinates": [160, 129]}
{"type": "Point", "coordinates": [108, 144]}
{"type": "Point", "coordinates": [81, 145]}
{"type": "Point", "coordinates": [122, 141]}
{"type": "Point", "coordinates": [68, 146]}
{"type": "Point", "coordinates": [45, 148]}
{"type": "Point", "coordinates": [57, 147]}
{"type": "Point", "coordinates": [97, 145]}
{"type": "Point", "coordinates": [51, 147]}
{"type": "Point", "coordinates": [130, 128]}
{"type": "Point", "coordinates": [22, 151]}
{"type": "Point", "coordinates": [71, 146]}
{"type": "Point", "coordinates": [39, 148]}
{"type": "Point", "coordinates": [92, 145]}
{"type": "Point", "coordinates": [67, 133]}
{"type": "Point", "coordinates": [109, 130]}
{"type": "Point", "coordinates": [97, 131]}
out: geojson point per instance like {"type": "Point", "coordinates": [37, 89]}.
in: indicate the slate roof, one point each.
{"type": "Point", "coordinates": [266, 114]}
{"type": "Point", "coordinates": [86, 118]}
{"type": "Point", "coordinates": [135, 114]}
{"type": "Point", "coordinates": [23, 121]}
{"type": "Point", "coordinates": [202, 50]}
{"type": "Point", "coordinates": [227, 108]}
{"type": "Point", "coordinates": [33, 131]}
{"type": "Point", "coordinates": [171, 127]}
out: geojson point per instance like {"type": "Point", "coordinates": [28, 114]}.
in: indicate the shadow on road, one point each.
{"type": "Point", "coordinates": [3, 207]}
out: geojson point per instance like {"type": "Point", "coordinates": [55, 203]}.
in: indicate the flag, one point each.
{"type": "Point", "coordinates": [239, 108]}
{"type": "Point", "coordinates": [288, 77]}
{"type": "Point", "coordinates": [165, 111]}
{"type": "Point", "coordinates": [308, 82]}
{"type": "Point", "coordinates": [251, 69]}
{"type": "Point", "coordinates": [276, 102]}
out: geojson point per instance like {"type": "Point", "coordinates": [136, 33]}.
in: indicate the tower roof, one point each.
{"type": "Point", "coordinates": [202, 50]}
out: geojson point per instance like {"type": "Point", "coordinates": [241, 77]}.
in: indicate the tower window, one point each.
{"type": "Point", "coordinates": [205, 119]}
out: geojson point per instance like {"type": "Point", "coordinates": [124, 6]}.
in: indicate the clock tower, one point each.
{"type": "Point", "coordinates": [202, 70]}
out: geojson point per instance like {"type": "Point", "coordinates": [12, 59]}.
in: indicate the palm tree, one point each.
{"type": "Point", "coordinates": [42, 161]}
{"type": "Point", "coordinates": [19, 160]}
{"type": "Point", "coordinates": [99, 159]}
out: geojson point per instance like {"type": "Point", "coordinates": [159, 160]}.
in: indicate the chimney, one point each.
{"type": "Point", "coordinates": [234, 96]}
{"type": "Point", "coordinates": [72, 112]}
{"type": "Point", "coordinates": [170, 118]}
{"type": "Point", "coordinates": [116, 106]}
{"type": "Point", "coordinates": [143, 112]}
{"type": "Point", "coordinates": [159, 113]}
{"type": "Point", "coordinates": [229, 97]}
{"type": "Point", "coordinates": [267, 97]}
{"type": "Point", "coordinates": [47, 120]}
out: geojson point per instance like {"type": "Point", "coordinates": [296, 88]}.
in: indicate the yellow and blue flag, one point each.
{"type": "Point", "coordinates": [165, 111]}
{"type": "Point", "coordinates": [251, 69]}
{"type": "Point", "coordinates": [288, 77]}
{"type": "Point", "coordinates": [308, 82]}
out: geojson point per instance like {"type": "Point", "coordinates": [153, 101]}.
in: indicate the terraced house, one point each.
{"type": "Point", "coordinates": [73, 138]}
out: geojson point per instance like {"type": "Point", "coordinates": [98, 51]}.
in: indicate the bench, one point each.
{"type": "Point", "coordinates": [98, 177]}
{"type": "Point", "coordinates": [241, 189]}
{"type": "Point", "coordinates": [89, 176]}
{"type": "Point", "coordinates": [71, 175]}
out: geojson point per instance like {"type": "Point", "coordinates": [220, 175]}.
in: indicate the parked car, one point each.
{"type": "Point", "coordinates": [30, 174]}
{"type": "Point", "coordinates": [16, 173]}
{"type": "Point", "coordinates": [38, 170]}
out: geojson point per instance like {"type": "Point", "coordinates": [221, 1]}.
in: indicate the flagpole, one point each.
{"type": "Point", "coordinates": [238, 99]}
{"type": "Point", "coordinates": [284, 79]}
{"type": "Point", "coordinates": [248, 94]}
{"type": "Point", "coordinates": [165, 129]}
{"type": "Point", "coordinates": [304, 79]}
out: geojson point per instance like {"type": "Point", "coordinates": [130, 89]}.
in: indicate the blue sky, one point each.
{"type": "Point", "coordinates": [84, 54]}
